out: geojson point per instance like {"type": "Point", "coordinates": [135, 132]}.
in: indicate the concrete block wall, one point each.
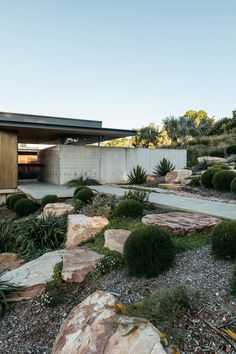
{"type": "Point", "coordinates": [107, 165]}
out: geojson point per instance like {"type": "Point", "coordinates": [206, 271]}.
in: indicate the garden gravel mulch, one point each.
{"type": "Point", "coordinates": [31, 327]}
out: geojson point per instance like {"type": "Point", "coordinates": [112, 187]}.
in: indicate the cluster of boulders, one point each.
{"type": "Point", "coordinates": [173, 180]}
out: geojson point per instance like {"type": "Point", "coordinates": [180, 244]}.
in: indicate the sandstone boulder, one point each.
{"type": "Point", "coordinates": [115, 239]}
{"type": "Point", "coordinates": [180, 223]}
{"type": "Point", "coordinates": [94, 327]}
{"type": "Point", "coordinates": [211, 159]}
{"type": "Point", "coordinates": [177, 176]}
{"type": "Point", "coordinates": [77, 262]}
{"type": "Point", "coordinates": [57, 209]}
{"type": "Point", "coordinates": [9, 261]}
{"type": "Point", "coordinates": [81, 228]}
{"type": "Point", "coordinates": [33, 276]}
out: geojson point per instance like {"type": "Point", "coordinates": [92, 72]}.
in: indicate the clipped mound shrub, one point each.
{"type": "Point", "coordinates": [79, 188]}
{"type": "Point", "coordinates": [233, 186]}
{"type": "Point", "coordinates": [50, 198]}
{"type": "Point", "coordinates": [207, 177]}
{"type": "Point", "coordinates": [231, 149]}
{"type": "Point", "coordinates": [85, 195]}
{"type": "Point", "coordinates": [219, 152]}
{"type": "Point", "coordinates": [222, 180]}
{"type": "Point", "coordinates": [11, 201]}
{"type": "Point", "coordinates": [25, 207]}
{"type": "Point", "coordinates": [148, 251]}
{"type": "Point", "coordinates": [223, 240]}
{"type": "Point", "coordinates": [130, 208]}
{"type": "Point", "coordinates": [137, 176]}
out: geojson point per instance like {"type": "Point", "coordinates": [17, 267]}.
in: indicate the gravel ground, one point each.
{"type": "Point", "coordinates": [30, 327]}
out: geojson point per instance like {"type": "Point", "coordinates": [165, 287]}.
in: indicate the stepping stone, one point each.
{"type": "Point", "coordinates": [171, 186]}
{"type": "Point", "coordinates": [33, 276]}
{"type": "Point", "coordinates": [82, 228]}
{"type": "Point", "coordinates": [90, 328]}
{"type": "Point", "coordinates": [9, 261]}
{"type": "Point", "coordinates": [57, 209]}
{"type": "Point", "coordinates": [115, 239]}
{"type": "Point", "coordinates": [78, 262]}
{"type": "Point", "coordinates": [181, 223]}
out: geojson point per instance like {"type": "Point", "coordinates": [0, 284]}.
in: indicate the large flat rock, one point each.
{"type": "Point", "coordinates": [57, 209]}
{"type": "Point", "coordinates": [115, 239]}
{"type": "Point", "coordinates": [9, 261]}
{"type": "Point", "coordinates": [82, 228]}
{"type": "Point", "coordinates": [78, 262]}
{"type": "Point", "coordinates": [177, 176]}
{"type": "Point", "coordinates": [33, 276]}
{"type": "Point", "coordinates": [93, 327]}
{"type": "Point", "coordinates": [181, 223]}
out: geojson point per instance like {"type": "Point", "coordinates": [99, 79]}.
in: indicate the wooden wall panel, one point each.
{"type": "Point", "coordinates": [8, 160]}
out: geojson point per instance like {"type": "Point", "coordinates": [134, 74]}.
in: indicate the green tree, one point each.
{"type": "Point", "coordinates": [146, 136]}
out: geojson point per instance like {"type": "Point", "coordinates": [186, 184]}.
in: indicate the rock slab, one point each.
{"type": "Point", "coordinates": [9, 261]}
{"type": "Point", "coordinates": [177, 176]}
{"type": "Point", "coordinates": [181, 223]}
{"type": "Point", "coordinates": [82, 228]}
{"type": "Point", "coordinates": [78, 262]}
{"type": "Point", "coordinates": [33, 276]}
{"type": "Point", "coordinates": [94, 327]}
{"type": "Point", "coordinates": [211, 159]}
{"type": "Point", "coordinates": [171, 186]}
{"type": "Point", "coordinates": [115, 239]}
{"type": "Point", "coordinates": [57, 209]}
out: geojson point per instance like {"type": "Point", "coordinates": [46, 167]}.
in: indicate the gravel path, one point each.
{"type": "Point", "coordinates": [30, 327]}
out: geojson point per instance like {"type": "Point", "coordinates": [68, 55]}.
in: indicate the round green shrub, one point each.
{"type": "Point", "coordinates": [231, 149]}
{"type": "Point", "coordinates": [233, 186]}
{"type": "Point", "coordinates": [79, 188]}
{"type": "Point", "coordinates": [129, 208]}
{"type": "Point", "coordinates": [222, 180]}
{"type": "Point", "coordinates": [207, 177]}
{"type": "Point", "coordinates": [148, 251]}
{"type": "Point", "coordinates": [50, 198]}
{"type": "Point", "coordinates": [85, 195]}
{"type": "Point", "coordinates": [11, 201]}
{"type": "Point", "coordinates": [223, 240]}
{"type": "Point", "coordinates": [25, 207]}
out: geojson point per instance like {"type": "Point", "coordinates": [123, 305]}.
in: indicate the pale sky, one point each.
{"type": "Point", "coordinates": [125, 62]}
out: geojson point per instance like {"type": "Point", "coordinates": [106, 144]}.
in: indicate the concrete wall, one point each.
{"type": "Point", "coordinates": [107, 165]}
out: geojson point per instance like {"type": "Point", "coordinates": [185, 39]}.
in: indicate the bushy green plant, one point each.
{"type": "Point", "coordinates": [138, 175]}
{"type": "Point", "coordinates": [233, 186]}
{"type": "Point", "coordinates": [85, 195]}
{"type": "Point", "coordinates": [230, 150]}
{"type": "Point", "coordinates": [219, 152]}
{"type": "Point", "coordinates": [7, 242]}
{"type": "Point", "coordinates": [129, 208]}
{"type": "Point", "coordinates": [99, 206]}
{"type": "Point", "coordinates": [111, 261]}
{"type": "Point", "coordinates": [222, 180]}
{"type": "Point", "coordinates": [79, 188]}
{"type": "Point", "coordinates": [195, 182]}
{"type": "Point", "coordinates": [233, 282]}
{"type": "Point", "coordinates": [207, 177]}
{"type": "Point", "coordinates": [5, 289]}
{"type": "Point", "coordinates": [11, 201]}
{"type": "Point", "coordinates": [25, 207]}
{"type": "Point", "coordinates": [138, 194]}
{"type": "Point", "coordinates": [50, 198]}
{"type": "Point", "coordinates": [53, 296]}
{"type": "Point", "coordinates": [35, 236]}
{"type": "Point", "coordinates": [163, 167]}
{"type": "Point", "coordinates": [149, 251]}
{"type": "Point", "coordinates": [223, 240]}
{"type": "Point", "coordinates": [82, 181]}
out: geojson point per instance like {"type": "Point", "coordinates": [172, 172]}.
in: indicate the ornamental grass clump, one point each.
{"type": "Point", "coordinates": [7, 236]}
{"type": "Point", "coordinates": [149, 251]}
{"type": "Point", "coordinates": [222, 180]}
{"type": "Point", "coordinates": [25, 207]}
{"type": "Point", "coordinates": [223, 240]}
{"type": "Point", "coordinates": [129, 208]}
{"type": "Point", "coordinates": [50, 198]}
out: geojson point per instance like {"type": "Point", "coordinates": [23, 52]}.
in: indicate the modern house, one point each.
{"type": "Point", "coordinates": [62, 162]}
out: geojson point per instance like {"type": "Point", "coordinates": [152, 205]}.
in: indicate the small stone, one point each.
{"type": "Point", "coordinates": [115, 239]}
{"type": "Point", "coordinates": [57, 209]}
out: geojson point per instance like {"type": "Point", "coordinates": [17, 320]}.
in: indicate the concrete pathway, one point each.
{"type": "Point", "coordinates": [38, 190]}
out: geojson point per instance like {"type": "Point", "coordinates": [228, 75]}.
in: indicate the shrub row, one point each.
{"type": "Point", "coordinates": [22, 205]}
{"type": "Point", "coordinates": [220, 178]}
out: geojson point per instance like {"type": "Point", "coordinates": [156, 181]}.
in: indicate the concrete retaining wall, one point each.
{"type": "Point", "coordinates": [107, 165]}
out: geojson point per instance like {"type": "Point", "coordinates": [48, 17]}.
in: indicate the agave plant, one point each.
{"type": "Point", "coordinates": [137, 176]}
{"type": "Point", "coordinates": [82, 181]}
{"type": "Point", "coordinates": [163, 167]}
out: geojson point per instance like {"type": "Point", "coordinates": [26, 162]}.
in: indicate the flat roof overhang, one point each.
{"type": "Point", "coordinates": [48, 130]}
